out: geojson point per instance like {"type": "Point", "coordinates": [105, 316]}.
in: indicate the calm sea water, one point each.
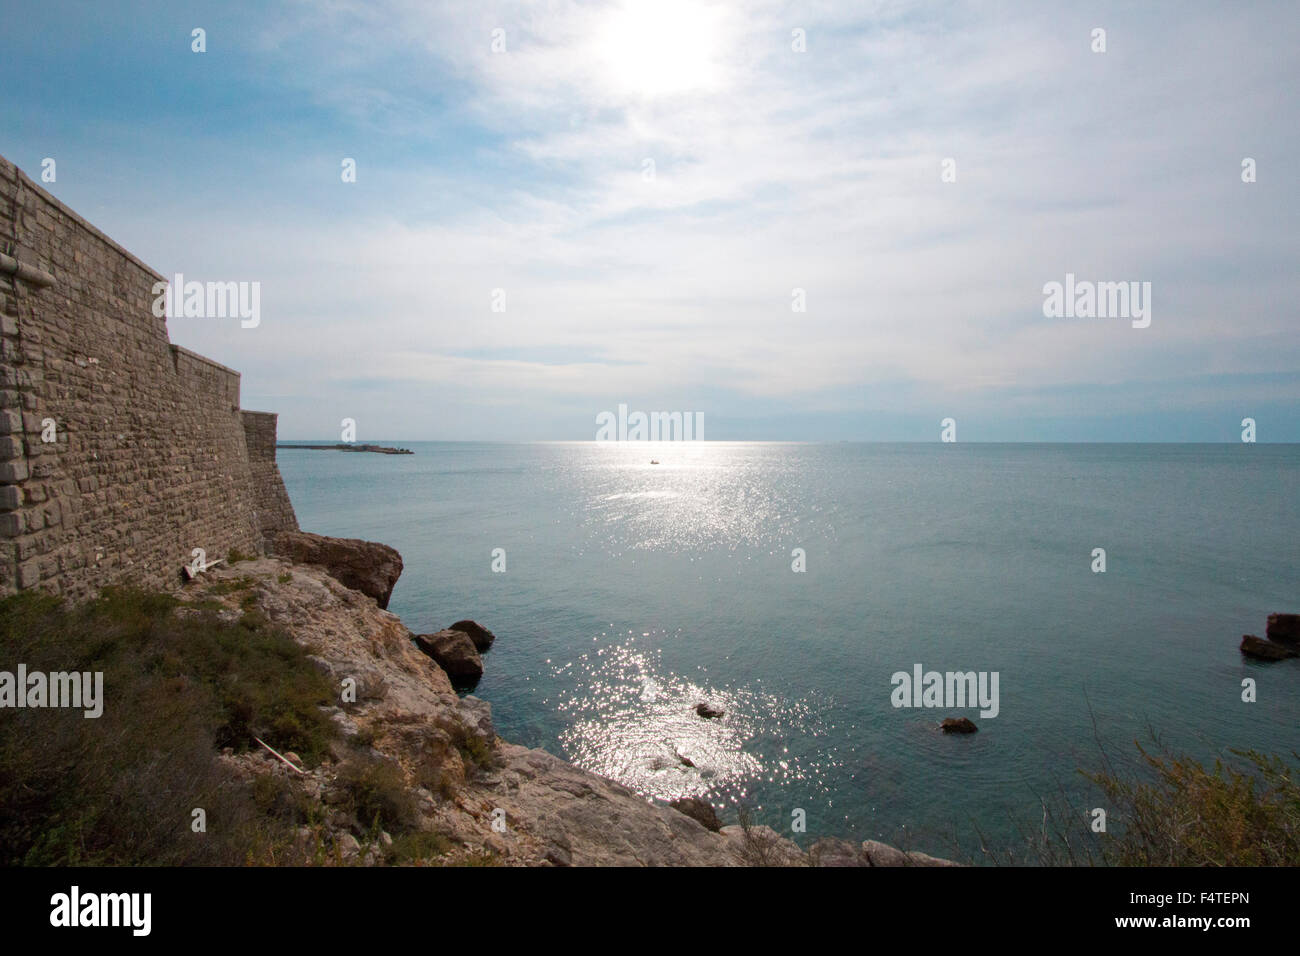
{"type": "Point", "coordinates": [633, 591]}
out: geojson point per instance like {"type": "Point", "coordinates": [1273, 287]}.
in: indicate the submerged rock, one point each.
{"type": "Point", "coordinates": [365, 566]}
{"type": "Point", "coordinates": [708, 711]}
{"type": "Point", "coordinates": [1284, 628]}
{"type": "Point", "coordinates": [1252, 646]}
{"type": "Point", "coordinates": [701, 811]}
{"type": "Point", "coordinates": [479, 634]}
{"type": "Point", "coordinates": [958, 725]}
{"type": "Point", "coordinates": [455, 653]}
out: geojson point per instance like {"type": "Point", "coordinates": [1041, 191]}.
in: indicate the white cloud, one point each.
{"type": "Point", "coordinates": [776, 170]}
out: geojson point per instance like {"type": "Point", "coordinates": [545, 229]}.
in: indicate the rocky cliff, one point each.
{"type": "Point", "coordinates": [485, 796]}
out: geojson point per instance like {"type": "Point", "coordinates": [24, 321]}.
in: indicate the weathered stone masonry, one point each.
{"type": "Point", "coordinates": [153, 456]}
{"type": "Point", "coordinates": [274, 511]}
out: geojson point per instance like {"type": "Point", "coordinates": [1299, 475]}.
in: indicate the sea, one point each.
{"type": "Point", "coordinates": [793, 586]}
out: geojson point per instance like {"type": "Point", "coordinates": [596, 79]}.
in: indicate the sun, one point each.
{"type": "Point", "coordinates": [660, 47]}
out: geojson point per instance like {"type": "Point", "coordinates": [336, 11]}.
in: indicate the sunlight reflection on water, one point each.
{"type": "Point", "coordinates": [635, 723]}
{"type": "Point", "coordinates": [946, 554]}
{"type": "Point", "coordinates": [702, 495]}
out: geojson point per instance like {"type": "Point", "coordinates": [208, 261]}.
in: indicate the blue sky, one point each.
{"type": "Point", "coordinates": [774, 170]}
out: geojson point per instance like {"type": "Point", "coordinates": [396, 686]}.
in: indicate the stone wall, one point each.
{"type": "Point", "coordinates": [148, 456]}
{"type": "Point", "coordinates": [274, 511]}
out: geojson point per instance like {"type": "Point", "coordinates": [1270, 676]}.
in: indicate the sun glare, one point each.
{"type": "Point", "coordinates": [660, 47]}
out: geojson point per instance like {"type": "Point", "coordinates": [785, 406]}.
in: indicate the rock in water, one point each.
{"type": "Point", "coordinates": [1284, 628]}
{"type": "Point", "coordinates": [701, 811]}
{"type": "Point", "coordinates": [708, 711]}
{"type": "Point", "coordinates": [455, 653]}
{"type": "Point", "coordinates": [479, 634]}
{"type": "Point", "coordinates": [1252, 646]}
{"type": "Point", "coordinates": [364, 566]}
{"type": "Point", "coordinates": [958, 725]}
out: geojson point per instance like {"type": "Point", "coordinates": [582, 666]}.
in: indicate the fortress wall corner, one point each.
{"type": "Point", "coordinates": [119, 452]}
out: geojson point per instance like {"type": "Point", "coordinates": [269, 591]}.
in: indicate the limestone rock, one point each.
{"type": "Point", "coordinates": [829, 851]}
{"type": "Point", "coordinates": [701, 811]}
{"type": "Point", "coordinates": [958, 725]}
{"type": "Point", "coordinates": [348, 844]}
{"type": "Point", "coordinates": [479, 634]}
{"type": "Point", "coordinates": [763, 846]}
{"type": "Point", "coordinates": [832, 852]}
{"type": "Point", "coordinates": [365, 566]}
{"type": "Point", "coordinates": [1252, 646]}
{"type": "Point", "coordinates": [455, 653]}
{"type": "Point", "coordinates": [559, 856]}
{"type": "Point", "coordinates": [882, 854]}
{"type": "Point", "coordinates": [1284, 628]}
{"type": "Point", "coordinates": [477, 714]}
{"type": "Point", "coordinates": [602, 822]}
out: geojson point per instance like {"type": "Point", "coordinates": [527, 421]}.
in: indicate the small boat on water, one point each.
{"type": "Point", "coordinates": [654, 461]}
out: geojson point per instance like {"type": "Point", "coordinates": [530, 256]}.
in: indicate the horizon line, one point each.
{"type": "Point", "coordinates": [748, 441]}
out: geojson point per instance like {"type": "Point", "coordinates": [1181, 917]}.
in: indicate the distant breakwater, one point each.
{"type": "Point", "coordinates": [343, 446]}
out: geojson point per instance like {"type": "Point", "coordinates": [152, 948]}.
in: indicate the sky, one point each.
{"type": "Point", "coordinates": [561, 207]}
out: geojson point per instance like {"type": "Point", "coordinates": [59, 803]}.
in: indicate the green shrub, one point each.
{"type": "Point", "coordinates": [1183, 814]}
{"type": "Point", "coordinates": [377, 794]}
{"type": "Point", "coordinates": [120, 789]}
{"type": "Point", "coordinates": [417, 846]}
{"type": "Point", "coordinates": [1166, 810]}
{"type": "Point", "coordinates": [474, 749]}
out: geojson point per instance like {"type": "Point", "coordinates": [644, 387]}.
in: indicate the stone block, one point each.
{"type": "Point", "coordinates": [29, 574]}
{"type": "Point", "coordinates": [11, 447]}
